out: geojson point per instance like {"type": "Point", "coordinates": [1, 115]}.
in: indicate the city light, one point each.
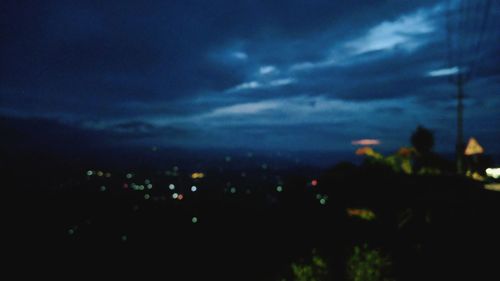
{"type": "Point", "coordinates": [364, 214]}
{"type": "Point", "coordinates": [493, 172]}
{"type": "Point", "coordinates": [197, 176]}
{"type": "Point", "coordinates": [492, 186]}
{"type": "Point", "coordinates": [365, 142]}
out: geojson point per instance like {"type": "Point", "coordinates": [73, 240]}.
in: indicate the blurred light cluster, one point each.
{"type": "Point", "coordinates": [364, 214]}
{"type": "Point", "coordinates": [493, 172]}
{"type": "Point", "coordinates": [98, 173]}
{"type": "Point", "coordinates": [197, 175]}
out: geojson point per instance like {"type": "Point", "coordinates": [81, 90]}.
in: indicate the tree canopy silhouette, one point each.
{"type": "Point", "coordinates": [422, 140]}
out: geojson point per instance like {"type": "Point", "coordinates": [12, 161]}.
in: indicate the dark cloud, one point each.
{"type": "Point", "coordinates": [160, 70]}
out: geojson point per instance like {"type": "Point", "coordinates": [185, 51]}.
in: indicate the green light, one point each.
{"type": "Point", "coordinates": [279, 188]}
{"type": "Point", "coordinates": [124, 238]}
{"type": "Point", "coordinates": [147, 181]}
{"type": "Point", "coordinates": [318, 196]}
{"type": "Point", "coordinates": [150, 186]}
{"type": "Point", "coordinates": [103, 188]}
{"type": "Point", "coordinates": [194, 220]}
{"type": "Point", "coordinates": [147, 196]}
{"type": "Point", "coordinates": [233, 190]}
{"type": "Point", "coordinates": [129, 176]}
{"type": "Point", "coordinates": [71, 231]}
{"type": "Point", "coordinates": [89, 173]}
{"type": "Point", "coordinates": [322, 201]}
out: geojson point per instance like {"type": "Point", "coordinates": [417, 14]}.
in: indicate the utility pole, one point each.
{"type": "Point", "coordinates": [466, 25]}
{"type": "Point", "coordinates": [460, 126]}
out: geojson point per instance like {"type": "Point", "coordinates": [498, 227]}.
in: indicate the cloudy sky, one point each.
{"type": "Point", "coordinates": [267, 74]}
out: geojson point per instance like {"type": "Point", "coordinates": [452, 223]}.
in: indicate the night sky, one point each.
{"type": "Point", "coordinates": [289, 75]}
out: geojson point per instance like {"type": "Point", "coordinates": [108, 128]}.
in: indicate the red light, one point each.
{"type": "Point", "coordinates": [314, 182]}
{"type": "Point", "coordinates": [125, 185]}
{"type": "Point", "coordinates": [180, 197]}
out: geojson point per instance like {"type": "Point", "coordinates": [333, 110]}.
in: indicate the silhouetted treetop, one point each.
{"type": "Point", "coordinates": [422, 140]}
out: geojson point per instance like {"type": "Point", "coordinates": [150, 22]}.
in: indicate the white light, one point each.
{"type": "Point", "coordinates": [175, 195]}
{"type": "Point", "coordinates": [171, 187]}
{"type": "Point", "coordinates": [193, 188]}
{"type": "Point", "coordinates": [493, 172]}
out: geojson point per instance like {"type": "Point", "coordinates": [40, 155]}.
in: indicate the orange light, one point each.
{"type": "Point", "coordinates": [405, 151]}
{"type": "Point", "coordinates": [364, 151]}
{"type": "Point", "coordinates": [361, 213]}
{"type": "Point", "coordinates": [473, 147]}
{"type": "Point", "coordinates": [197, 175]}
{"type": "Point", "coordinates": [366, 142]}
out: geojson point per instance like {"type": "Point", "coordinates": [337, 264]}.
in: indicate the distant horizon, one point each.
{"type": "Point", "coordinates": [267, 75]}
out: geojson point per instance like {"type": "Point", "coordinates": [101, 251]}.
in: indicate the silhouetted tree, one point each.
{"type": "Point", "coordinates": [422, 140]}
{"type": "Point", "coordinates": [425, 161]}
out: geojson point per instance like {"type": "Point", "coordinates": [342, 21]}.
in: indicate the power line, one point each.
{"type": "Point", "coordinates": [463, 19]}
